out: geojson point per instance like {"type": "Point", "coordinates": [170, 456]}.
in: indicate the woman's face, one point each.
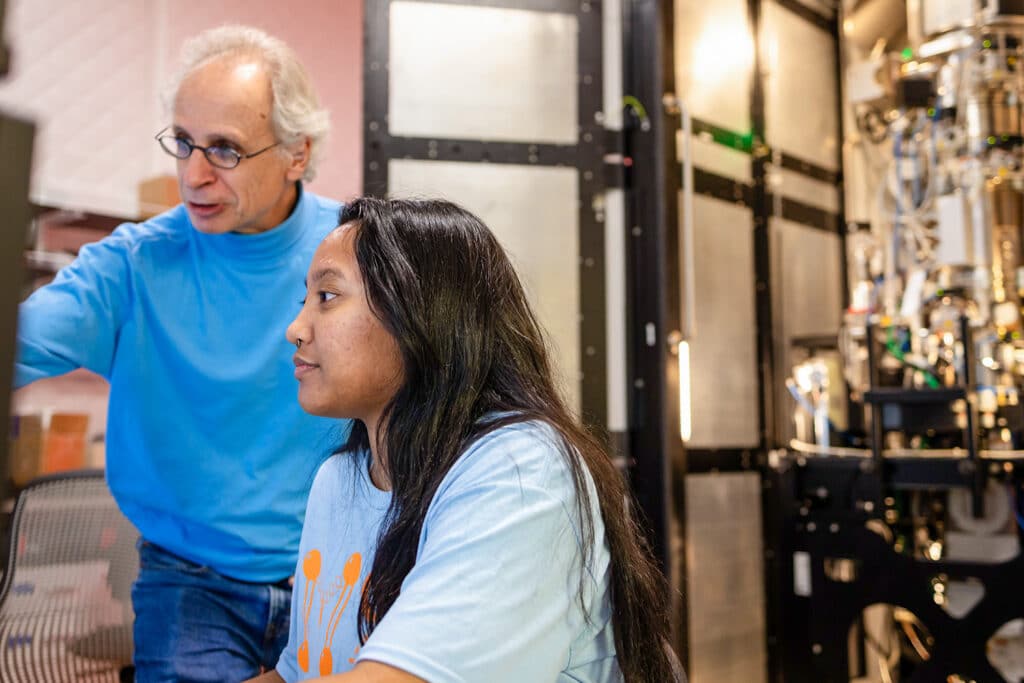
{"type": "Point", "coordinates": [347, 363]}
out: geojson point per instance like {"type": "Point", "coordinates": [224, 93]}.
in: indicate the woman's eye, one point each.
{"type": "Point", "coordinates": [326, 296]}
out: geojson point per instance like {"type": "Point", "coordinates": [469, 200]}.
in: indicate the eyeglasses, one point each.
{"type": "Point", "coordinates": [220, 156]}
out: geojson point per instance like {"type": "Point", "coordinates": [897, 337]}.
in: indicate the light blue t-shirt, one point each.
{"type": "Point", "coordinates": [494, 593]}
{"type": "Point", "coordinates": [208, 452]}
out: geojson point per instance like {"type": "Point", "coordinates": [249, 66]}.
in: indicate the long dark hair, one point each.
{"type": "Point", "coordinates": [444, 288]}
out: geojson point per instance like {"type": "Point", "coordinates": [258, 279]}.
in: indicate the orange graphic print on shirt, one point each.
{"type": "Point", "coordinates": [338, 591]}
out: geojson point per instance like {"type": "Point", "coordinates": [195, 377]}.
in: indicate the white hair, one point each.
{"type": "Point", "coordinates": [295, 111]}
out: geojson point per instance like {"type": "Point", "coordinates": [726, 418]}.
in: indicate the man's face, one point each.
{"type": "Point", "coordinates": [228, 102]}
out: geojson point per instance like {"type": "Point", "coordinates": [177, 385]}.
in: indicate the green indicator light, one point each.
{"type": "Point", "coordinates": [931, 111]}
{"type": "Point", "coordinates": [986, 43]}
{"type": "Point", "coordinates": [907, 54]}
{"type": "Point", "coordinates": [991, 140]}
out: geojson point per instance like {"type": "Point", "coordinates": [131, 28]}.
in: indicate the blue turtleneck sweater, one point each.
{"type": "Point", "coordinates": [208, 451]}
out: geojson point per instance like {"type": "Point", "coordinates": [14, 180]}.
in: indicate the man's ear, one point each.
{"type": "Point", "coordinates": [298, 157]}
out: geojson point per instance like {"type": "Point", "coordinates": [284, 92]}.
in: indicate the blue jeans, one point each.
{"type": "Point", "coordinates": [193, 624]}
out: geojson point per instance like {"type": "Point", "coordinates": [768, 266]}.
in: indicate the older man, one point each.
{"type": "Point", "coordinates": [209, 454]}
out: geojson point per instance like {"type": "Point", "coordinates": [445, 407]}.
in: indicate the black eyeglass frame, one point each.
{"type": "Point", "coordinates": [238, 156]}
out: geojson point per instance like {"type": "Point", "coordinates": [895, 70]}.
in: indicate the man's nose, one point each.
{"type": "Point", "coordinates": [196, 170]}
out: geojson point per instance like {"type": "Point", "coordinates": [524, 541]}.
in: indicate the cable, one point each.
{"type": "Point", "coordinates": [918, 646]}
{"type": "Point", "coordinates": [908, 620]}
{"type": "Point", "coordinates": [633, 103]}
{"type": "Point", "coordinates": [930, 378]}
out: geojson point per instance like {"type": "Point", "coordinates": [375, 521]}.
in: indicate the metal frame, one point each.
{"type": "Point", "coordinates": [727, 189]}
{"type": "Point", "coordinates": [586, 156]}
{"type": "Point", "coordinates": [760, 200]}
{"type": "Point", "coordinates": [816, 646]}
{"type": "Point", "coordinates": [661, 461]}
{"type": "Point", "coordinates": [653, 280]}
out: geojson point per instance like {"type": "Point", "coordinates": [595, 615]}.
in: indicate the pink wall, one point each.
{"type": "Point", "coordinates": [328, 37]}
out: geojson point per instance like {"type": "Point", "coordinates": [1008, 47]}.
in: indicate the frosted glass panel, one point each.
{"type": "Point", "coordinates": [801, 114]}
{"type": "Point", "coordinates": [723, 350]}
{"type": "Point", "coordinates": [714, 60]}
{"type": "Point", "coordinates": [482, 73]}
{"type": "Point", "coordinates": [534, 213]}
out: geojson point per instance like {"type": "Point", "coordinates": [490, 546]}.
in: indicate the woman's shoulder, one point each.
{"type": "Point", "coordinates": [530, 452]}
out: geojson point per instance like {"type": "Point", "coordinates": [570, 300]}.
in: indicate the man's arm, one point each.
{"type": "Point", "coordinates": [73, 322]}
{"type": "Point", "coordinates": [364, 672]}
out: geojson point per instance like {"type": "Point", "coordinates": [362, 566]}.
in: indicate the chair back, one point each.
{"type": "Point", "coordinates": [65, 599]}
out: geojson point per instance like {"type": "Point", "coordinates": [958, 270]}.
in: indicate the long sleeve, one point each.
{"type": "Point", "coordinates": [73, 322]}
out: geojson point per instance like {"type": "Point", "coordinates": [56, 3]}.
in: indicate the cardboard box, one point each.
{"type": "Point", "coordinates": [157, 195]}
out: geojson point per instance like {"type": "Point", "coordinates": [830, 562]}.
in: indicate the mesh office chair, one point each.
{"type": "Point", "coordinates": [65, 600]}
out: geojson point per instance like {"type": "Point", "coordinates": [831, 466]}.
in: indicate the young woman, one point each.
{"type": "Point", "coordinates": [468, 530]}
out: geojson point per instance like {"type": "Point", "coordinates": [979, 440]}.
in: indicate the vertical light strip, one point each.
{"type": "Point", "coordinates": [685, 427]}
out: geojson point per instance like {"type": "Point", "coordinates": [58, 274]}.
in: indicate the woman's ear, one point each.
{"type": "Point", "coordinates": [298, 158]}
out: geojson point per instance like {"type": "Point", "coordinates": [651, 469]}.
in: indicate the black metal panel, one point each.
{"type": "Point", "coordinates": [5, 51]}
{"type": "Point", "coordinates": [787, 614]}
{"type": "Point", "coordinates": [709, 184]}
{"type": "Point", "coordinates": [590, 162]}
{"type": "Point", "coordinates": [745, 143]}
{"type": "Point", "coordinates": [652, 212]}
{"type": "Point", "coordinates": [821, 505]}
{"type": "Point", "coordinates": [883, 576]}
{"type": "Point", "coordinates": [445, 149]}
{"type": "Point", "coordinates": [703, 460]}
{"type": "Point", "coordinates": [811, 216]}
{"type": "Point", "coordinates": [762, 207]}
{"type": "Point", "coordinates": [809, 169]}
{"type": "Point", "coordinates": [16, 151]}
{"type": "Point", "coordinates": [375, 97]}
{"type": "Point", "coordinates": [587, 157]}
{"type": "Point", "coordinates": [565, 6]}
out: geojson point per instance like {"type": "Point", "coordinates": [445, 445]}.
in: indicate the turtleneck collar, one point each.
{"type": "Point", "coordinates": [269, 244]}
